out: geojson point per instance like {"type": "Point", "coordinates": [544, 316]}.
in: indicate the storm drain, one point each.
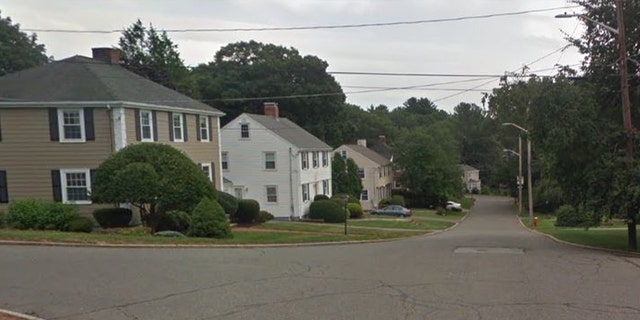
{"type": "Point", "coordinates": [489, 250]}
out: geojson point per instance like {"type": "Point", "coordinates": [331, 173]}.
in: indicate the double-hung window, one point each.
{"type": "Point", "coordinates": [272, 194]}
{"type": "Point", "coordinates": [244, 131]}
{"type": "Point", "coordinates": [305, 192]}
{"type": "Point", "coordinates": [315, 159]}
{"type": "Point", "coordinates": [177, 127]}
{"type": "Point", "coordinates": [325, 158]}
{"type": "Point", "coordinates": [76, 186]}
{"type": "Point", "coordinates": [361, 173]}
{"type": "Point", "coordinates": [269, 160]}
{"type": "Point", "coordinates": [207, 170]}
{"type": "Point", "coordinates": [304, 156]}
{"type": "Point", "coordinates": [146, 125]}
{"type": "Point", "coordinates": [225, 161]}
{"type": "Point", "coordinates": [364, 196]}
{"type": "Point", "coordinates": [203, 126]}
{"type": "Point", "coordinates": [71, 125]}
{"type": "Point", "coordinates": [343, 153]}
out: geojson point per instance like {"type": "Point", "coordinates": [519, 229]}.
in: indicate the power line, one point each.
{"type": "Point", "coordinates": [340, 26]}
{"type": "Point", "coordinates": [359, 73]}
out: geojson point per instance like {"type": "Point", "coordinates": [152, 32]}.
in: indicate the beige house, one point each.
{"type": "Point", "coordinates": [375, 171]}
{"type": "Point", "coordinates": [59, 121]}
{"type": "Point", "coordinates": [471, 178]}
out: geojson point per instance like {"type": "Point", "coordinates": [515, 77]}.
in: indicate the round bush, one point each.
{"type": "Point", "coordinates": [113, 217]}
{"type": "Point", "coordinates": [327, 210]}
{"type": "Point", "coordinates": [568, 216]}
{"type": "Point", "coordinates": [355, 210]}
{"type": "Point", "coordinates": [319, 197]}
{"type": "Point", "coordinates": [264, 216]}
{"type": "Point", "coordinates": [80, 224]}
{"type": "Point", "coordinates": [208, 220]}
{"type": "Point", "coordinates": [228, 202]}
{"type": "Point", "coordinates": [397, 200]}
{"type": "Point", "coordinates": [248, 211]}
{"type": "Point", "coordinates": [40, 214]}
{"type": "Point", "coordinates": [173, 220]}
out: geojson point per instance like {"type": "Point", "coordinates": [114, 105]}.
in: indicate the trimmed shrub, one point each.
{"type": "Point", "coordinates": [80, 224]}
{"type": "Point", "coordinates": [264, 216]}
{"type": "Point", "coordinates": [208, 220]}
{"type": "Point", "coordinates": [173, 220]}
{"type": "Point", "coordinates": [113, 217]}
{"type": "Point", "coordinates": [39, 214]}
{"type": "Point", "coordinates": [2, 219]}
{"type": "Point", "coordinates": [569, 216]}
{"type": "Point", "coordinates": [327, 210]}
{"type": "Point", "coordinates": [248, 210]}
{"type": "Point", "coordinates": [355, 210]}
{"type": "Point", "coordinates": [319, 197]}
{"type": "Point", "coordinates": [228, 202]}
{"type": "Point", "coordinates": [340, 198]}
{"type": "Point", "coordinates": [169, 234]}
{"type": "Point", "coordinates": [60, 214]}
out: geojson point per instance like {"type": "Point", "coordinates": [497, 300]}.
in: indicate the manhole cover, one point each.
{"type": "Point", "coordinates": [490, 250]}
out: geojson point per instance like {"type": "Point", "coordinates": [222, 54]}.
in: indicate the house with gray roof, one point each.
{"type": "Point", "coordinates": [375, 171]}
{"type": "Point", "coordinates": [270, 159]}
{"type": "Point", "coordinates": [59, 121]}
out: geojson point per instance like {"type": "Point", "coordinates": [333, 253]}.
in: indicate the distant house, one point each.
{"type": "Point", "coordinates": [375, 171]}
{"type": "Point", "coordinates": [471, 178]}
{"type": "Point", "coordinates": [276, 162]}
{"type": "Point", "coordinates": [382, 148]}
{"type": "Point", "coordinates": [59, 121]}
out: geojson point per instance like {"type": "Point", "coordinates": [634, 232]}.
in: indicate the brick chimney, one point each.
{"type": "Point", "coordinates": [271, 109]}
{"type": "Point", "coordinates": [108, 55]}
{"type": "Point", "coordinates": [382, 139]}
{"type": "Point", "coordinates": [362, 142]}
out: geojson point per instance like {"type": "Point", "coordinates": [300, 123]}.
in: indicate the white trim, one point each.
{"type": "Point", "coordinates": [102, 104]}
{"type": "Point", "coordinates": [206, 123]}
{"type": "Point", "coordinates": [248, 137]}
{"type": "Point", "coordinates": [63, 184]}
{"type": "Point", "coordinates": [119, 128]}
{"type": "Point", "coordinates": [207, 165]}
{"type": "Point", "coordinates": [222, 160]}
{"type": "Point", "coordinates": [275, 162]}
{"type": "Point", "coordinates": [142, 138]}
{"type": "Point", "coordinates": [174, 127]}
{"type": "Point", "coordinates": [266, 190]}
{"type": "Point", "coordinates": [61, 137]}
{"type": "Point", "coordinates": [220, 176]}
{"type": "Point", "coordinates": [305, 189]}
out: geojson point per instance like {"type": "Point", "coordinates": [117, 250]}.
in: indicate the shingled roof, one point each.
{"type": "Point", "coordinates": [290, 132]}
{"type": "Point", "coordinates": [370, 154]}
{"type": "Point", "coordinates": [82, 79]}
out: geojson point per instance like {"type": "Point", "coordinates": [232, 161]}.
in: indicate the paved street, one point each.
{"type": "Point", "coordinates": [489, 267]}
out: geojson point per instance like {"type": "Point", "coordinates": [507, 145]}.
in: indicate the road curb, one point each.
{"type": "Point", "coordinates": [613, 251]}
{"type": "Point", "coordinates": [19, 315]}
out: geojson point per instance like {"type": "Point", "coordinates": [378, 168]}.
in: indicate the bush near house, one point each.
{"type": "Point", "coordinates": [319, 197]}
{"type": "Point", "coordinates": [327, 210]}
{"type": "Point", "coordinates": [248, 211]}
{"type": "Point", "coordinates": [228, 202]}
{"type": "Point", "coordinates": [208, 221]}
{"type": "Point", "coordinates": [80, 224]}
{"type": "Point", "coordinates": [173, 220]}
{"type": "Point", "coordinates": [393, 200]}
{"type": "Point", "coordinates": [264, 216]}
{"type": "Point", "coordinates": [40, 214]}
{"type": "Point", "coordinates": [2, 219]}
{"type": "Point", "coordinates": [113, 217]}
{"type": "Point", "coordinates": [355, 210]}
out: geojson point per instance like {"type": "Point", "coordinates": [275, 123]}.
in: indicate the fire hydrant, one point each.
{"type": "Point", "coordinates": [535, 222]}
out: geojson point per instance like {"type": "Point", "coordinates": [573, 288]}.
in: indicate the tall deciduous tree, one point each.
{"type": "Point", "coordinates": [347, 180]}
{"type": "Point", "coordinates": [152, 54]}
{"type": "Point", "coordinates": [18, 50]}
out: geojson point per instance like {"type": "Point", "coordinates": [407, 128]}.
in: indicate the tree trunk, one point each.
{"type": "Point", "coordinates": [631, 232]}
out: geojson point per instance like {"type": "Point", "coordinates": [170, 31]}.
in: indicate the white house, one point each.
{"type": "Point", "coordinates": [471, 178]}
{"type": "Point", "coordinates": [375, 172]}
{"type": "Point", "coordinates": [274, 161]}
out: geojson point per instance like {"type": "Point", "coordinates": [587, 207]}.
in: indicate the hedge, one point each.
{"type": "Point", "coordinates": [248, 211]}
{"type": "Point", "coordinates": [327, 210]}
{"type": "Point", "coordinates": [113, 217]}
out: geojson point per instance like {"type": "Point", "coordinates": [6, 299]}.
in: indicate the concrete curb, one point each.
{"type": "Point", "coordinates": [19, 315]}
{"type": "Point", "coordinates": [613, 251]}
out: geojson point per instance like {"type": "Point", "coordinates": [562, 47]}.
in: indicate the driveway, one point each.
{"type": "Point", "coordinates": [489, 267]}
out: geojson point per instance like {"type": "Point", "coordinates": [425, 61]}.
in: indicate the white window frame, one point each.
{"type": "Point", "coordinates": [315, 159]}
{"type": "Point", "coordinates": [238, 192]}
{"type": "Point", "coordinates": [325, 187]}
{"type": "Point", "coordinates": [242, 125]}
{"type": "Point", "coordinates": [150, 125]}
{"type": "Point", "coordinates": [364, 196]}
{"type": "Point", "coordinates": [361, 173]}
{"type": "Point", "coordinates": [325, 159]}
{"type": "Point", "coordinates": [305, 192]}
{"type": "Point", "coordinates": [61, 125]}
{"type": "Point", "coordinates": [273, 187]}
{"type": "Point", "coordinates": [63, 184]}
{"type": "Point", "coordinates": [275, 163]}
{"type": "Point", "coordinates": [210, 167]}
{"type": "Point", "coordinates": [304, 156]}
{"type": "Point", "coordinates": [204, 129]}
{"type": "Point", "coordinates": [178, 128]}
{"type": "Point", "coordinates": [343, 154]}
{"type": "Point", "coordinates": [224, 157]}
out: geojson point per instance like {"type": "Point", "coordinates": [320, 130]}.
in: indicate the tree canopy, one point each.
{"type": "Point", "coordinates": [18, 50]}
{"type": "Point", "coordinates": [347, 180]}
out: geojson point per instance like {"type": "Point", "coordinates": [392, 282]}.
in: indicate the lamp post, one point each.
{"type": "Point", "coordinates": [520, 178]}
{"type": "Point", "coordinates": [529, 183]}
{"type": "Point", "coordinates": [626, 105]}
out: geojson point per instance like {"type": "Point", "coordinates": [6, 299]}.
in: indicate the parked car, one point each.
{"type": "Point", "coordinates": [453, 206]}
{"type": "Point", "coordinates": [393, 210]}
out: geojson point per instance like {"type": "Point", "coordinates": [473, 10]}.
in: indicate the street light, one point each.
{"type": "Point", "coordinates": [626, 104]}
{"type": "Point", "coordinates": [529, 184]}
{"type": "Point", "coordinates": [520, 178]}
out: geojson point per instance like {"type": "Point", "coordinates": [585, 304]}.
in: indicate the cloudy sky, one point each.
{"type": "Point", "coordinates": [489, 46]}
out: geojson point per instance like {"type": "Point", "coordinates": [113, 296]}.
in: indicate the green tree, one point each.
{"type": "Point", "coordinates": [208, 221]}
{"type": "Point", "coordinates": [153, 55]}
{"type": "Point", "coordinates": [18, 50]}
{"type": "Point", "coordinates": [346, 181]}
{"type": "Point", "coordinates": [152, 177]}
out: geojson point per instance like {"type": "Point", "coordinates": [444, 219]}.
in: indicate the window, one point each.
{"type": "Point", "coordinates": [76, 186]}
{"type": "Point", "coordinates": [71, 125]}
{"type": "Point", "coordinates": [176, 124]}
{"type": "Point", "coordinates": [270, 160]}
{"type": "Point", "coordinates": [225, 161]}
{"type": "Point", "coordinates": [238, 192]}
{"type": "Point", "coordinates": [361, 173]}
{"type": "Point", "coordinates": [304, 156]}
{"type": "Point", "coordinates": [244, 131]}
{"type": "Point", "coordinates": [203, 126]}
{"type": "Point", "coordinates": [146, 125]}
{"type": "Point", "coordinates": [364, 196]}
{"type": "Point", "coordinates": [325, 158]}
{"type": "Point", "coordinates": [305, 192]}
{"type": "Point", "coordinates": [325, 187]}
{"type": "Point", "coordinates": [272, 194]}
{"type": "Point", "coordinates": [315, 159]}
{"type": "Point", "coordinates": [343, 153]}
{"type": "Point", "coordinates": [4, 190]}
{"type": "Point", "coordinates": [207, 170]}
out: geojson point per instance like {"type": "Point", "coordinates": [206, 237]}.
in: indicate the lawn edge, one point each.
{"type": "Point", "coordinates": [19, 315]}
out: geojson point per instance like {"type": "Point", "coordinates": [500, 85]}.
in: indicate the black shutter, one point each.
{"type": "Point", "coordinates": [57, 185]}
{"type": "Point", "coordinates": [138, 130]}
{"type": "Point", "coordinates": [92, 177]}
{"type": "Point", "coordinates": [89, 131]}
{"type": "Point", "coordinates": [213, 174]}
{"type": "Point", "coordinates": [53, 124]}
{"type": "Point", "coordinates": [171, 126]}
{"type": "Point", "coordinates": [185, 131]}
{"type": "Point", "coordinates": [155, 125]}
{"type": "Point", "coordinates": [4, 191]}
{"type": "Point", "coordinates": [198, 127]}
{"type": "Point", "coordinates": [210, 128]}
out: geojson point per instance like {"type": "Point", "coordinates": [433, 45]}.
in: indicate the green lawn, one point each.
{"type": "Point", "coordinates": [596, 237]}
{"type": "Point", "coordinates": [403, 224]}
{"type": "Point", "coordinates": [427, 213]}
{"type": "Point", "coordinates": [332, 228]}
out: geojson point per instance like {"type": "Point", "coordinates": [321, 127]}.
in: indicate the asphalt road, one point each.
{"type": "Point", "coordinates": [489, 267]}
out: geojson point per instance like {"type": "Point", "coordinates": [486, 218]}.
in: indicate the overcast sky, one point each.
{"type": "Point", "coordinates": [477, 46]}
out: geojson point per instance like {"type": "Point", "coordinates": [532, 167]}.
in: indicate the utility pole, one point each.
{"type": "Point", "coordinates": [626, 115]}
{"type": "Point", "coordinates": [529, 182]}
{"type": "Point", "coordinates": [520, 177]}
